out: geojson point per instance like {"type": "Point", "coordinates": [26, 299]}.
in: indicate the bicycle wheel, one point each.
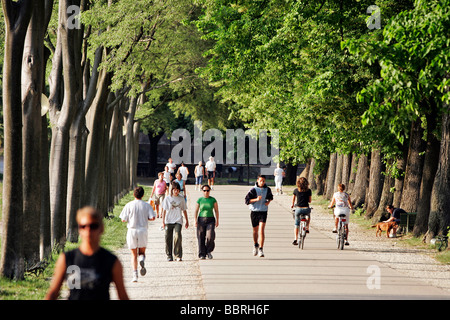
{"type": "Point", "coordinates": [341, 237]}
{"type": "Point", "coordinates": [301, 235]}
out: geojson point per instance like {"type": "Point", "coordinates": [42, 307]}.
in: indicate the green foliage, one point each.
{"type": "Point", "coordinates": [282, 65]}
{"type": "Point", "coordinates": [414, 59]}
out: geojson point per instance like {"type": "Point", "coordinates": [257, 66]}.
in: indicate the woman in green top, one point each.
{"type": "Point", "coordinates": [206, 220]}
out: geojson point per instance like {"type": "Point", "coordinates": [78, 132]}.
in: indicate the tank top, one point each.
{"type": "Point", "coordinates": [89, 276]}
{"type": "Point", "coordinates": [341, 199]}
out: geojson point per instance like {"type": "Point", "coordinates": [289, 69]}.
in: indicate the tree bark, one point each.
{"type": "Point", "coordinates": [376, 182]}
{"type": "Point", "coordinates": [361, 182]}
{"type": "Point", "coordinates": [414, 168]}
{"type": "Point", "coordinates": [430, 166]}
{"type": "Point", "coordinates": [17, 16]}
{"type": "Point", "coordinates": [70, 42]}
{"type": "Point", "coordinates": [338, 174]}
{"type": "Point", "coordinates": [352, 176]}
{"type": "Point", "coordinates": [311, 180]}
{"type": "Point", "coordinates": [331, 176]}
{"type": "Point", "coordinates": [439, 219]}
{"type": "Point", "coordinates": [32, 85]}
{"type": "Point", "coordinates": [386, 198]}
{"type": "Point", "coordinates": [346, 167]}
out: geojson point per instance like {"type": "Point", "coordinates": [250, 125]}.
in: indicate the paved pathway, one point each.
{"type": "Point", "coordinates": [320, 271]}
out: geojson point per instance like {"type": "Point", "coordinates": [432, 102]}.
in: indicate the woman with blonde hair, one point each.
{"type": "Point", "coordinates": [300, 201]}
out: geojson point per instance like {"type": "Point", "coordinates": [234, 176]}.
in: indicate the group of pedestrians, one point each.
{"type": "Point", "coordinates": [98, 267]}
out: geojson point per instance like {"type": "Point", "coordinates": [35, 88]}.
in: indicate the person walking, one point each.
{"type": "Point", "coordinates": [136, 214]}
{"type": "Point", "coordinates": [343, 206]}
{"type": "Point", "coordinates": [258, 200]}
{"type": "Point", "coordinates": [199, 172]}
{"type": "Point", "coordinates": [167, 178]}
{"type": "Point", "coordinates": [184, 171]}
{"type": "Point", "coordinates": [174, 207]}
{"type": "Point", "coordinates": [158, 192]}
{"type": "Point", "coordinates": [278, 177]}
{"type": "Point", "coordinates": [89, 269]}
{"type": "Point", "coordinates": [303, 196]}
{"type": "Point", "coordinates": [172, 166]}
{"type": "Point", "coordinates": [211, 169]}
{"type": "Point", "coordinates": [206, 220]}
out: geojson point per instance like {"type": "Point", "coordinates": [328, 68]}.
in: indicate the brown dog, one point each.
{"type": "Point", "coordinates": [385, 226]}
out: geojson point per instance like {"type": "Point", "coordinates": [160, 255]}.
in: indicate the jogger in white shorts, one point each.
{"type": "Point", "coordinates": [137, 213]}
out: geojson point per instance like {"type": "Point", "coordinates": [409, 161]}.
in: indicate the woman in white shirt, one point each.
{"type": "Point", "coordinates": [278, 173]}
{"type": "Point", "coordinates": [199, 172]}
{"type": "Point", "coordinates": [174, 207]}
{"type": "Point", "coordinates": [343, 206]}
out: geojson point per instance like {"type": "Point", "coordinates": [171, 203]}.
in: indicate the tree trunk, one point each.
{"type": "Point", "coordinates": [320, 180]}
{"type": "Point", "coordinates": [97, 141]}
{"type": "Point", "coordinates": [430, 166]}
{"type": "Point", "coordinates": [311, 180]}
{"type": "Point", "coordinates": [346, 167]}
{"type": "Point", "coordinates": [338, 174]}
{"type": "Point", "coordinates": [329, 187]}
{"type": "Point", "coordinates": [70, 42]}
{"type": "Point", "coordinates": [353, 170]}
{"type": "Point", "coordinates": [439, 219]}
{"type": "Point", "coordinates": [32, 85]}
{"type": "Point", "coordinates": [376, 182]}
{"type": "Point", "coordinates": [400, 179]}
{"type": "Point", "coordinates": [414, 168]}
{"type": "Point", "coordinates": [17, 16]}
{"type": "Point", "coordinates": [361, 182]}
{"type": "Point", "coordinates": [386, 198]}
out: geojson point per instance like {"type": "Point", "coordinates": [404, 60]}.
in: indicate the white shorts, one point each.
{"type": "Point", "coordinates": [344, 210]}
{"type": "Point", "coordinates": [137, 238]}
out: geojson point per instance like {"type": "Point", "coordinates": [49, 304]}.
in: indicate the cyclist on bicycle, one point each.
{"type": "Point", "coordinates": [303, 196]}
{"type": "Point", "coordinates": [343, 206]}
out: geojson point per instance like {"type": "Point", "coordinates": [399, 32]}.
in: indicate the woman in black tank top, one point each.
{"type": "Point", "coordinates": [89, 269]}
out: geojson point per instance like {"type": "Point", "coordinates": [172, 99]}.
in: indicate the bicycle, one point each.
{"type": "Point", "coordinates": [341, 232]}
{"type": "Point", "coordinates": [302, 230]}
{"type": "Point", "coordinates": [441, 243]}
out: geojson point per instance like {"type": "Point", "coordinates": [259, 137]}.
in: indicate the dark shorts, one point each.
{"type": "Point", "coordinates": [257, 217]}
{"type": "Point", "coordinates": [210, 174]}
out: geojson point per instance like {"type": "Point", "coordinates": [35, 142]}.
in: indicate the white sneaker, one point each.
{"type": "Point", "coordinates": [142, 264]}
{"type": "Point", "coordinates": [255, 250]}
{"type": "Point", "coordinates": [135, 277]}
{"type": "Point", "coordinates": [260, 253]}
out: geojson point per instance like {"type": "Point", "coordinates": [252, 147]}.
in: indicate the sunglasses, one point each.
{"type": "Point", "coordinates": [206, 190]}
{"type": "Point", "coordinates": [92, 226]}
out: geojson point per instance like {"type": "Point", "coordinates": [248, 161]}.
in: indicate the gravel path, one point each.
{"type": "Point", "coordinates": [415, 263]}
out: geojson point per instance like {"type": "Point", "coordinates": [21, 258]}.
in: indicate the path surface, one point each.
{"type": "Point", "coordinates": [320, 271]}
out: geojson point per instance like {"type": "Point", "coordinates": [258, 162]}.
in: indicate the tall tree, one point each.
{"type": "Point", "coordinates": [17, 16]}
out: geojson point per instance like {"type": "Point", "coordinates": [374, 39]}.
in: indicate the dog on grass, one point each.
{"type": "Point", "coordinates": [385, 226]}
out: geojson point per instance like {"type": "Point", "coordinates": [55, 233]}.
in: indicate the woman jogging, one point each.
{"type": "Point", "coordinates": [206, 220]}
{"type": "Point", "coordinates": [303, 196]}
{"type": "Point", "coordinates": [174, 207]}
